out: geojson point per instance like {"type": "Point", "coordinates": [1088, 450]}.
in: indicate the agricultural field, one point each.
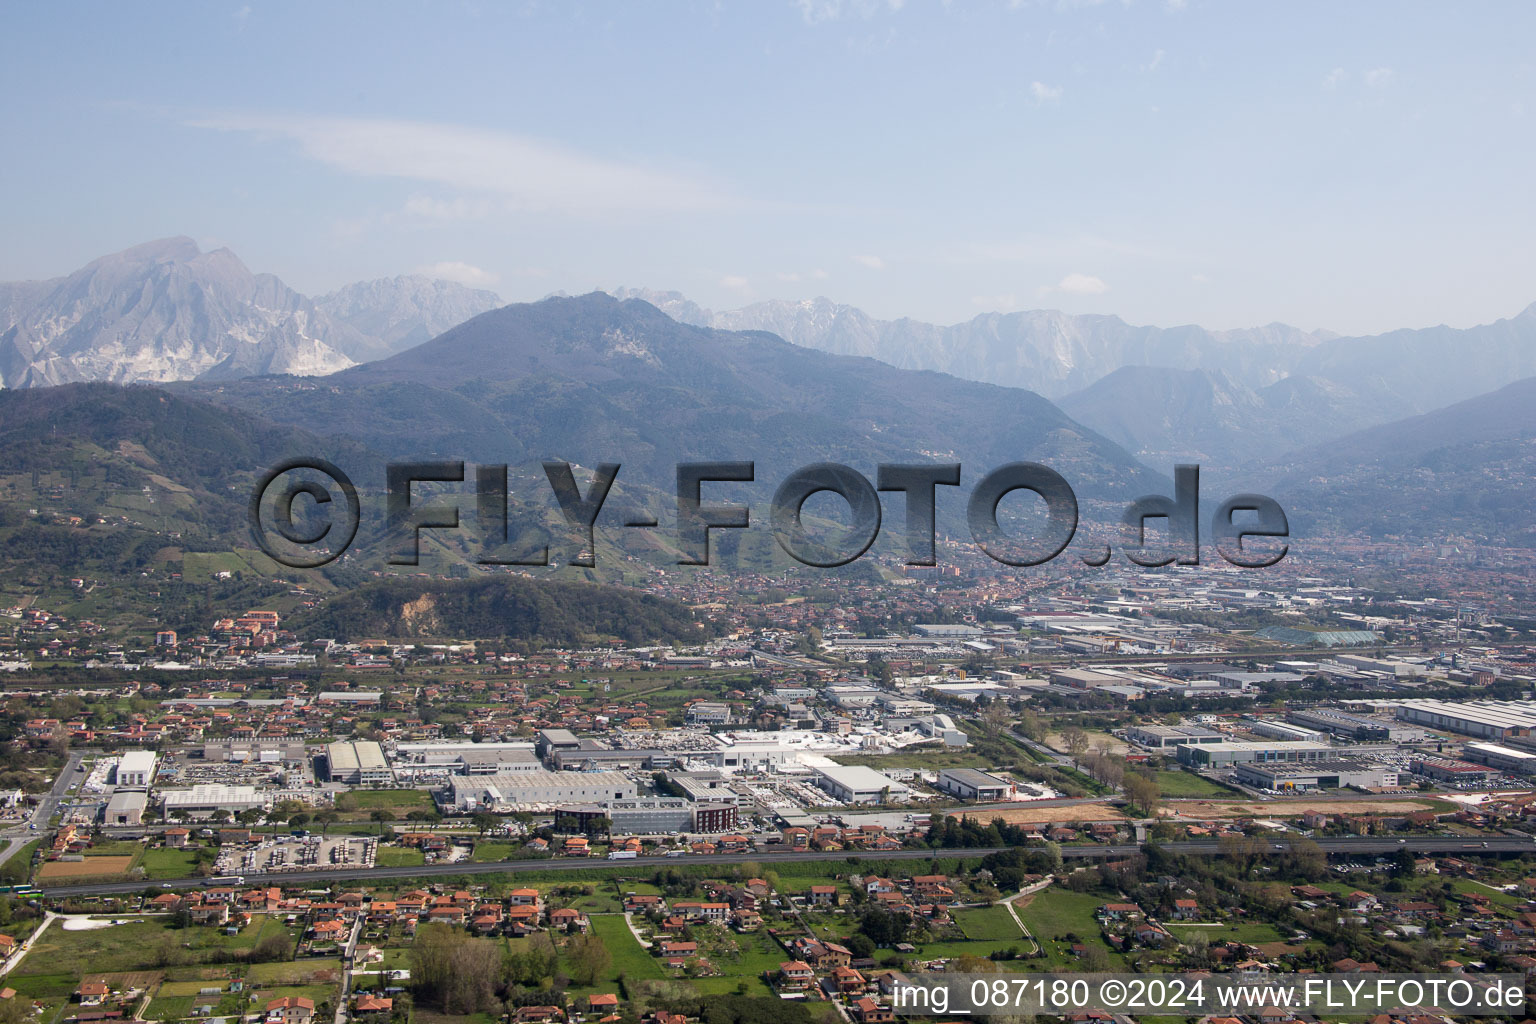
{"type": "Point", "coordinates": [90, 867]}
{"type": "Point", "coordinates": [1038, 812]}
{"type": "Point", "coordinates": [1054, 914]}
{"type": "Point", "coordinates": [1174, 784]}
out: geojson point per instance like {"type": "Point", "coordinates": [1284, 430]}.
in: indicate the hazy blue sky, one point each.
{"type": "Point", "coordinates": [1352, 166]}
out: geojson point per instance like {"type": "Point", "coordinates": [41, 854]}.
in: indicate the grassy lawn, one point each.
{"type": "Point", "coordinates": [493, 851]}
{"type": "Point", "coordinates": [1254, 933]}
{"type": "Point", "coordinates": [1055, 913]}
{"type": "Point", "coordinates": [629, 959]}
{"type": "Point", "coordinates": [391, 799]}
{"type": "Point", "coordinates": [988, 924]}
{"type": "Point", "coordinates": [1178, 784]}
{"type": "Point", "coordinates": [168, 863]}
{"type": "Point", "coordinates": [399, 857]}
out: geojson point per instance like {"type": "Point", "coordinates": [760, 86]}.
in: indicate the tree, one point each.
{"type": "Point", "coordinates": [484, 821]}
{"type": "Point", "coordinates": [298, 820]}
{"type": "Point", "coordinates": [1143, 793]}
{"type": "Point", "coordinates": [381, 817]}
{"type": "Point", "coordinates": [589, 959]}
{"type": "Point", "coordinates": [1075, 740]}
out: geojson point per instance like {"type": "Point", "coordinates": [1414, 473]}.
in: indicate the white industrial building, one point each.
{"type": "Point", "coordinates": [205, 798]}
{"type": "Point", "coordinates": [856, 784]}
{"type": "Point", "coordinates": [1486, 719]}
{"type": "Point", "coordinates": [1164, 737]}
{"type": "Point", "coordinates": [520, 790]}
{"type": "Point", "coordinates": [125, 808]}
{"type": "Point", "coordinates": [1232, 752]}
{"type": "Point", "coordinates": [1504, 759]}
{"type": "Point", "coordinates": [359, 763]}
{"type": "Point", "coordinates": [970, 784]}
{"type": "Point", "coordinates": [1313, 775]}
{"type": "Point", "coordinates": [136, 770]}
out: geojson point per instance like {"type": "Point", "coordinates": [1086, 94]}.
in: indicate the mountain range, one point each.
{"type": "Point", "coordinates": [167, 311]}
{"type": "Point", "coordinates": [1222, 396]}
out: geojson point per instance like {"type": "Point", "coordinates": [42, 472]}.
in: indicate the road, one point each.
{"type": "Point", "coordinates": [1364, 845]}
{"type": "Point", "coordinates": [22, 833]}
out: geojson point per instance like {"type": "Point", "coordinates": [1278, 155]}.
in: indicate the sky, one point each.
{"type": "Point", "coordinates": [1351, 167]}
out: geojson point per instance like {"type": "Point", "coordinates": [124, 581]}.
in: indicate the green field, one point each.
{"type": "Point", "coordinates": [1056, 913]}
{"type": "Point", "coordinates": [1179, 784]}
{"type": "Point", "coordinates": [491, 852]}
{"type": "Point", "coordinates": [398, 857]}
{"type": "Point", "coordinates": [629, 959]}
{"type": "Point", "coordinates": [991, 924]}
{"type": "Point", "coordinates": [139, 944]}
{"type": "Point", "coordinates": [168, 863]}
{"type": "Point", "coordinates": [408, 799]}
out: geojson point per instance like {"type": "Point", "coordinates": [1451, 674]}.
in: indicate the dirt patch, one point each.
{"type": "Point", "coordinates": [1095, 741]}
{"type": "Point", "coordinates": [139, 980]}
{"type": "Point", "coordinates": [1202, 809]}
{"type": "Point", "coordinates": [1036, 814]}
{"type": "Point", "coordinates": [91, 867]}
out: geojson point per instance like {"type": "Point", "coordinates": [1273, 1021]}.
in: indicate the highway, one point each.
{"type": "Point", "coordinates": [1364, 845]}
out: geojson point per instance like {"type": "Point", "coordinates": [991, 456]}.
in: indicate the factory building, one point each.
{"type": "Point", "coordinates": [289, 753]}
{"type": "Point", "coordinates": [466, 758]}
{"type": "Point", "coordinates": [125, 808]}
{"type": "Point", "coordinates": [136, 769]}
{"type": "Point", "coordinates": [1343, 724]}
{"type": "Point", "coordinates": [1446, 770]}
{"type": "Point", "coordinates": [1284, 731]}
{"type": "Point", "coordinates": [509, 791]}
{"type": "Point", "coordinates": [1233, 752]}
{"type": "Point", "coordinates": [856, 784]}
{"type": "Point", "coordinates": [1166, 737]}
{"type": "Point", "coordinates": [359, 763]}
{"type": "Point", "coordinates": [1504, 759]}
{"type": "Point", "coordinates": [970, 784]}
{"type": "Point", "coordinates": [549, 741]}
{"type": "Point", "coordinates": [653, 815]}
{"type": "Point", "coordinates": [1486, 719]}
{"type": "Point", "coordinates": [205, 798]}
{"type": "Point", "coordinates": [1311, 775]}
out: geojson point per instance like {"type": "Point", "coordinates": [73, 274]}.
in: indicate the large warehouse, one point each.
{"type": "Point", "coordinates": [136, 770]}
{"type": "Point", "coordinates": [856, 784]}
{"type": "Point", "coordinates": [510, 791]}
{"type": "Point", "coordinates": [358, 764]}
{"type": "Point", "coordinates": [205, 798]}
{"type": "Point", "coordinates": [1166, 737]}
{"type": "Point", "coordinates": [1231, 752]}
{"type": "Point", "coordinates": [1334, 774]}
{"type": "Point", "coordinates": [1504, 759]}
{"type": "Point", "coordinates": [1486, 719]}
{"type": "Point", "coordinates": [970, 784]}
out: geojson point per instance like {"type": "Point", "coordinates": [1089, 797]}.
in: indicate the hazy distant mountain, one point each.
{"type": "Point", "coordinates": [400, 312]}
{"type": "Point", "coordinates": [1167, 416]}
{"type": "Point", "coordinates": [595, 379]}
{"type": "Point", "coordinates": [1047, 351]}
{"type": "Point", "coordinates": [1467, 470]}
{"type": "Point", "coordinates": [165, 311]}
{"type": "Point", "coordinates": [1430, 367]}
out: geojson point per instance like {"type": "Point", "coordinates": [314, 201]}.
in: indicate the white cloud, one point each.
{"type": "Point", "coordinates": [1199, 278]}
{"type": "Point", "coordinates": [1378, 78]}
{"type": "Point", "coordinates": [1082, 284]}
{"type": "Point", "coordinates": [520, 171]}
{"type": "Point", "coordinates": [872, 262]}
{"type": "Point", "coordinates": [1044, 93]}
{"type": "Point", "coordinates": [1334, 78]}
{"type": "Point", "coordinates": [463, 273]}
{"type": "Point", "coordinates": [734, 282]}
{"type": "Point", "coordinates": [1156, 61]}
{"type": "Point", "coordinates": [1175, 6]}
